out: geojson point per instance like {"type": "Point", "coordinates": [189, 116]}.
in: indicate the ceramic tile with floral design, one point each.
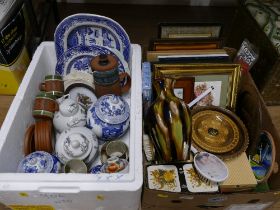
{"type": "Point", "coordinates": [163, 177]}
{"type": "Point", "coordinates": [194, 183]}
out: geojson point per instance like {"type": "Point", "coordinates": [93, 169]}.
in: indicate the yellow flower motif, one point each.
{"type": "Point", "coordinates": [169, 176]}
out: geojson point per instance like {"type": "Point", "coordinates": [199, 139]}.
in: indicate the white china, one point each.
{"type": "Point", "coordinates": [78, 77]}
{"type": "Point", "coordinates": [70, 114]}
{"type": "Point", "coordinates": [88, 30]}
{"type": "Point", "coordinates": [109, 117]}
{"type": "Point", "coordinates": [76, 143]}
{"type": "Point", "coordinates": [78, 59]}
{"type": "Point", "coordinates": [81, 93]}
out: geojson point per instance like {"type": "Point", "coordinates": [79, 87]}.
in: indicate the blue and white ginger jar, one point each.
{"type": "Point", "coordinates": [39, 162]}
{"type": "Point", "coordinates": [109, 117]}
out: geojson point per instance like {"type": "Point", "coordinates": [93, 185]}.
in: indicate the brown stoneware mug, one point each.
{"type": "Point", "coordinates": [45, 106]}
{"type": "Point", "coordinates": [53, 85]}
{"type": "Point", "coordinates": [106, 76]}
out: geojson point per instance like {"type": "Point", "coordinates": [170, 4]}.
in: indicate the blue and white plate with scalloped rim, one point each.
{"type": "Point", "coordinates": [87, 30]}
{"type": "Point", "coordinates": [78, 59]}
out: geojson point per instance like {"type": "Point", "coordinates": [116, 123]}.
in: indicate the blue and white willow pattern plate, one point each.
{"type": "Point", "coordinates": [37, 162]}
{"type": "Point", "coordinates": [78, 59]}
{"type": "Point", "coordinates": [88, 30]}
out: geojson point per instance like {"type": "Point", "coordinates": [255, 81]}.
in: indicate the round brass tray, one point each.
{"type": "Point", "coordinates": [218, 131]}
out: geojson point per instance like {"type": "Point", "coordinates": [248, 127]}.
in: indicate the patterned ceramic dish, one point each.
{"type": "Point", "coordinates": [195, 183]}
{"type": "Point", "coordinates": [88, 30]}
{"type": "Point", "coordinates": [163, 177]}
{"type": "Point", "coordinates": [78, 59]}
{"type": "Point", "coordinates": [39, 162]}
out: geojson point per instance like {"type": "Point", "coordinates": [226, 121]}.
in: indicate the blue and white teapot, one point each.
{"type": "Point", "coordinates": [109, 117]}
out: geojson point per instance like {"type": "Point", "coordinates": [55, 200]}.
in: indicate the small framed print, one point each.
{"type": "Point", "coordinates": [222, 78]}
{"type": "Point", "coordinates": [184, 89]}
{"type": "Point", "coordinates": [189, 30]}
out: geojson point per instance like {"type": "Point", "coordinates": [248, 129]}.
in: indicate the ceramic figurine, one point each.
{"type": "Point", "coordinates": [71, 114]}
{"type": "Point", "coordinates": [76, 143]}
{"type": "Point", "coordinates": [39, 162]}
{"type": "Point", "coordinates": [109, 117]}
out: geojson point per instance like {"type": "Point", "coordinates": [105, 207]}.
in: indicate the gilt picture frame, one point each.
{"type": "Point", "coordinates": [224, 78]}
{"type": "Point", "coordinates": [189, 30]}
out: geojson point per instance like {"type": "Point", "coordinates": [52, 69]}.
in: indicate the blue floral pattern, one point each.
{"type": "Point", "coordinates": [109, 131]}
{"type": "Point", "coordinates": [89, 30]}
{"type": "Point", "coordinates": [36, 162]}
{"type": "Point", "coordinates": [112, 109]}
{"type": "Point", "coordinates": [78, 59]}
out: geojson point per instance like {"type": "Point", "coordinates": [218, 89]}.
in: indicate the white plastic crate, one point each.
{"type": "Point", "coordinates": [68, 191]}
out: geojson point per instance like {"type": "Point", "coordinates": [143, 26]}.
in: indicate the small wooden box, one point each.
{"type": "Point", "coordinates": [241, 176]}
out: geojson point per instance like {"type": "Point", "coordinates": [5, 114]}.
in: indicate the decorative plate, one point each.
{"type": "Point", "coordinates": [88, 30]}
{"type": "Point", "coordinates": [218, 131]}
{"type": "Point", "coordinates": [163, 177]}
{"type": "Point", "coordinates": [263, 159]}
{"type": "Point", "coordinates": [82, 93]}
{"type": "Point", "coordinates": [36, 162]}
{"type": "Point", "coordinates": [195, 183]}
{"type": "Point", "coordinates": [78, 59]}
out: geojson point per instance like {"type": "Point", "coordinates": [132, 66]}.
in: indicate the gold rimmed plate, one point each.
{"type": "Point", "coordinates": [218, 131]}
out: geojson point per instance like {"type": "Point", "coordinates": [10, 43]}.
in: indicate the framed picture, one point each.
{"type": "Point", "coordinates": [211, 55]}
{"type": "Point", "coordinates": [186, 44]}
{"type": "Point", "coordinates": [223, 78]}
{"type": "Point", "coordinates": [189, 30]}
{"type": "Point", "coordinates": [184, 89]}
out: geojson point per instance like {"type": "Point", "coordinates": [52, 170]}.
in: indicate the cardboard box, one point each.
{"type": "Point", "coordinates": [160, 200]}
{"type": "Point", "coordinates": [67, 191]}
{"type": "Point", "coordinates": [14, 58]}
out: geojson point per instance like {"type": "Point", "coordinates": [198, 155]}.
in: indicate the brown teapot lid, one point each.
{"type": "Point", "coordinates": [103, 62]}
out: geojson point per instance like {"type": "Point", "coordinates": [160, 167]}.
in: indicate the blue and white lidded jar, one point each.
{"type": "Point", "coordinates": [109, 117]}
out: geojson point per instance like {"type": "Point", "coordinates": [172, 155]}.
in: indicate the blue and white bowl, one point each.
{"type": "Point", "coordinates": [56, 165]}
{"type": "Point", "coordinates": [39, 162]}
{"type": "Point", "coordinates": [109, 117]}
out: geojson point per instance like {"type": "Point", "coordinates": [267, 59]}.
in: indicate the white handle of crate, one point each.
{"type": "Point", "coordinates": [58, 189]}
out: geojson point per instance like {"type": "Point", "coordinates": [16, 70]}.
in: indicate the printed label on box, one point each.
{"type": "Point", "coordinates": [31, 207]}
